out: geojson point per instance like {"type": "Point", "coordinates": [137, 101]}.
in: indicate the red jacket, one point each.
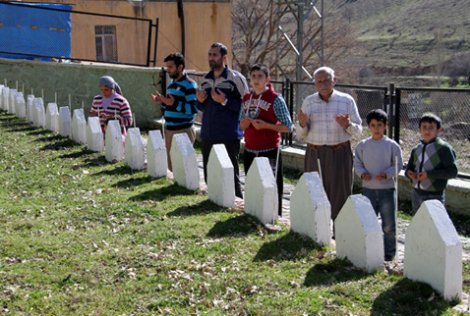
{"type": "Point", "coordinates": [261, 107]}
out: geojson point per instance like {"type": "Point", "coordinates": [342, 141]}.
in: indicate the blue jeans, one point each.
{"type": "Point", "coordinates": [419, 196]}
{"type": "Point", "coordinates": [383, 202]}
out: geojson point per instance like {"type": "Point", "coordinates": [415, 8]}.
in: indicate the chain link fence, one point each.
{"type": "Point", "coordinates": [451, 105]}
{"type": "Point", "coordinates": [404, 106]}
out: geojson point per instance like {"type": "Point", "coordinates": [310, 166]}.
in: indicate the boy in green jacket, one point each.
{"type": "Point", "coordinates": [431, 164]}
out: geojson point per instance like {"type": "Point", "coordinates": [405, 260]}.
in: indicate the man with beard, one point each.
{"type": "Point", "coordinates": [179, 106]}
{"type": "Point", "coordinates": [220, 99]}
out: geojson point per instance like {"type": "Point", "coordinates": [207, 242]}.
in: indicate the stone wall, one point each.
{"type": "Point", "coordinates": [81, 82]}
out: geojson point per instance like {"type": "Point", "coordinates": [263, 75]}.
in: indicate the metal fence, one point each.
{"type": "Point", "coordinates": [451, 105]}
{"type": "Point", "coordinates": [93, 37]}
{"type": "Point", "coordinates": [404, 106]}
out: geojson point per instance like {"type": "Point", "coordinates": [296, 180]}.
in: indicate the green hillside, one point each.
{"type": "Point", "coordinates": [404, 37]}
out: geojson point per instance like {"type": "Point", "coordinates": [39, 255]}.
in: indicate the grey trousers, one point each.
{"type": "Point", "coordinates": [336, 167]}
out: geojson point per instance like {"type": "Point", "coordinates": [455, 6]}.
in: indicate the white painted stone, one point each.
{"type": "Point", "coordinates": [134, 149]}
{"type": "Point", "coordinates": [12, 101]}
{"type": "Point", "coordinates": [310, 209]}
{"type": "Point", "coordinates": [94, 135]}
{"type": "Point", "coordinates": [39, 113]}
{"type": "Point", "coordinates": [114, 148]}
{"type": "Point", "coordinates": [65, 121]}
{"type": "Point", "coordinates": [1, 96]}
{"type": "Point", "coordinates": [261, 191]}
{"type": "Point", "coordinates": [5, 98]}
{"type": "Point", "coordinates": [20, 105]}
{"type": "Point", "coordinates": [30, 108]}
{"type": "Point", "coordinates": [183, 158]}
{"type": "Point", "coordinates": [358, 235]}
{"type": "Point", "coordinates": [157, 164]}
{"type": "Point", "coordinates": [220, 174]}
{"type": "Point", "coordinates": [79, 126]}
{"type": "Point", "coordinates": [433, 250]}
{"type": "Point", "coordinates": [52, 117]}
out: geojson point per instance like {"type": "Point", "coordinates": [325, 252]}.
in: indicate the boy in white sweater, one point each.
{"type": "Point", "coordinates": [375, 162]}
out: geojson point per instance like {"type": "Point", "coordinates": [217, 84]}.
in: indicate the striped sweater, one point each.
{"type": "Point", "coordinates": [180, 115]}
{"type": "Point", "coordinates": [119, 108]}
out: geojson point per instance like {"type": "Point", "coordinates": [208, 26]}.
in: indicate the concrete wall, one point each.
{"type": "Point", "coordinates": [206, 22]}
{"type": "Point", "coordinates": [81, 81]}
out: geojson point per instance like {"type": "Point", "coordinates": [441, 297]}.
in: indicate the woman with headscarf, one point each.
{"type": "Point", "coordinates": [110, 104]}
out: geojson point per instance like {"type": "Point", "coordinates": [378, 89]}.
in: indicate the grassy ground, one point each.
{"type": "Point", "coordinates": [80, 236]}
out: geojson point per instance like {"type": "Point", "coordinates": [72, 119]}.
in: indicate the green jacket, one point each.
{"type": "Point", "coordinates": [437, 158]}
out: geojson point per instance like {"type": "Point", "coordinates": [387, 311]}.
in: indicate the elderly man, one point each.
{"type": "Point", "coordinates": [328, 119]}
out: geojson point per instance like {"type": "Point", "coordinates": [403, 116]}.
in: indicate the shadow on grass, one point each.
{"type": "Point", "coordinates": [25, 128]}
{"type": "Point", "coordinates": [39, 131]}
{"type": "Point", "coordinates": [77, 154]}
{"type": "Point", "coordinates": [63, 144]}
{"type": "Point", "coordinates": [119, 170]}
{"type": "Point", "coordinates": [162, 193]}
{"type": "Point", "coordinates": [134, 182]}
{"type": "Point", "coordinates": [237, 226]}
{"type": "Point", "coordinates": [410, 298]}
{"type": "Point", "coordinates": [51, 138]}
{"type": "Point", "coordinates": [203, 207]}
{"type": "Point", "coordinates": [94, 162]}
{"type": "Point", "coordinates": [291, 246]}
{"type": "Point", "coordinates": [336, 271]}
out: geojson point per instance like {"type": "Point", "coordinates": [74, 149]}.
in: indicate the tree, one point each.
{"type": "Point", "coordinates": [256, 38]}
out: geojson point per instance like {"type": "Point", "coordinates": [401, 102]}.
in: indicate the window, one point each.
{"type": "Point", "coordinates": [106, 48]}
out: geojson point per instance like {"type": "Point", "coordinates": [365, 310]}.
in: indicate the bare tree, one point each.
{"type": "Point", "coordinates": [256, 38]}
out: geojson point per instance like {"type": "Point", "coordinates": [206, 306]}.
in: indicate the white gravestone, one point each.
{"type": "Point", "coordinates": [11, 101]}
{"type": "Point", "coordinates": [433, 250]}
{"type": "Point", "coordinates": [39, 113]}
{"type": "Point", "coordinates": [94, 135]}
{"type": "Point", "coordinates": [65, 121]}
{"type": "Point", "coordinates": [30, 108]}
{"type": "Point", "coordinates": [358, 234]}
{"type": "Point", "coordinates": [5, 98]}
{"type": "Point", "coordinates": [310, 209]}
{"type": "Point", "coordinates": [114, 148]}
{"type": "Point", "coordinates": [220, 173]}
{"type": "Point", "coordinates": [157, 164]}
{"type": "Point", "coordinates": [52, 117]}
{"type": "Point", "coordinates": [261, 191]}
{"type": "Point", "coordinates": [183, 159]}
{"type": "Point", "coordinates": [1, 96]}
{"type": "Point", "coordinates": [20, 106]}
{"type": "Point", "coordinates": [79, 126]}
{"type": "Point", "coordinates": [134, 149]}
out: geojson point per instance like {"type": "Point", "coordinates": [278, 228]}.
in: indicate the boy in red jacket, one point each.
{"type": "Point", "coordinates": [263, 118]}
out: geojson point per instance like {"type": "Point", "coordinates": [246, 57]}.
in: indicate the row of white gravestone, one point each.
{"type": "Point", "coordinates": [76, 127]}
{"type": "Point", "coordinates": [433, 251]}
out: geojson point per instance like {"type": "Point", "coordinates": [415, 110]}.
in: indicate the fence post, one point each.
{"type": "Point", "coordinates": [397, 115]}
{"type": "Point", "coordinates": [390, 109]}
{"type": "Point", "coordinates": [289, 97]}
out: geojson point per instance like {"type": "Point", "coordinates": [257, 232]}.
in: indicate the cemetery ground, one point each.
{"type": "Point", "coordinates": [82, 236]}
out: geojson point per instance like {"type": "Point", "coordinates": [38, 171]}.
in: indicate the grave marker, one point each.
{"type": "Point", "coordinates": [358, 234]}
{"type": "Point", "coordinates": [433, 250]}
{"type": "Point", "coordinates": [52, 117]}
{"type": "Point", "coordinates": [95, 138]}
{"type": "Point", "coordinates": [79, 126]}
{"type": "Point", "coordinates": [134, 149]}
{"type": "Point", "coordinates": [114, 148]}
{"type": "Point", "coordinates": [220, 173]}
{"type": "Point", "coordinates": [183, 158]}
{"type": "Point", "coordinates": [310, 209]}
{"type": "Point", "coordinates": [261, 191]}
{"type": "Point", "coordinates": [157, 164]}
{"type": "Point", "coordinates": [65, 121]}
